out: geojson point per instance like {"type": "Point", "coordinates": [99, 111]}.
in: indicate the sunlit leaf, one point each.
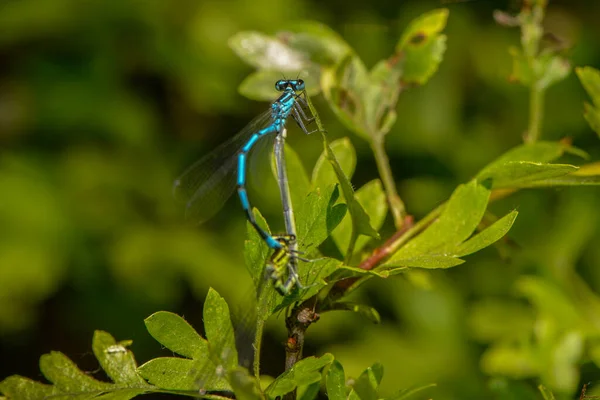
{"type": "Point", "coordinates": [590, 79]}
{"type": "Point", "coordinates": [176, 334]}
{"type": "Point", "coordinates": [336, 382]}
{"type": "Point", "coordinates": [304, 372]}
{"type": "Point", "coordinates": [488, 236]}
{"type": "Point", "coordinates": [517, 174]}
{"type": "Point", "coordinates": [458, 220]}
{"type": "Point", "coordinates": [323, 172]}
{"type": "Point", "coordinates": [422, 46]}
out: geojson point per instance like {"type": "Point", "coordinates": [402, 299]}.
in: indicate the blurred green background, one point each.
{"type": "Point", "coordinates": [103, 103]}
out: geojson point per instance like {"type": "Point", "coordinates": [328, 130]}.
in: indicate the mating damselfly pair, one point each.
{"type": "Point", "coordinates": [206, 184]}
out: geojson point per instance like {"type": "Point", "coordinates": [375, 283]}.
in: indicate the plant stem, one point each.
{"type": "Point", "coordinates": [383, 165]}
{"type": "Point", "coordinates": [536, 113]}
{"type": "Point", "coordinates": [297, 324]}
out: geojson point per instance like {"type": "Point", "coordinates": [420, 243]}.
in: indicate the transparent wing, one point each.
{"type": "Point", "coordinates": [208, 183]}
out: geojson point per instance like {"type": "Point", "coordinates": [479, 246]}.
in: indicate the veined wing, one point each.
{"type": "Point", "coordinates": [208, 183]}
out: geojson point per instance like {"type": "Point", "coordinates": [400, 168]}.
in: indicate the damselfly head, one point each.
{"type": "Point", "coordinates": [294, 84]}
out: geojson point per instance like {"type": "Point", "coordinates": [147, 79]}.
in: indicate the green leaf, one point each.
{"type": "Point", "coordinates": [518, 174]}
{"type": "Point", "coordinates": [424, 261]}
{"type": "Point", "coordinates": [422, 46]}
{"type": "Point", "coordinates": [367, 384]}
{"type": "Point", "coordinates": [176, 334]}
{"type": "Point", "coordinates": [323, 173]}
{"type": "Point", "coordinates": [590, 79]}
{"type": "Point", "coordinates": [488, 236]}
{"type": "Point", "coordinates": [322, 45]}
{"type": "Point", "coordinates": [265, 52]}
{"type": "Point", "coordinates": [538, 152]}
{"type": "Point", "coordinates": [256, 251]}
{"type": "Point", "coordinates": [336, 381]}
{"type": "Point", "coordinates": [318, 216]}
{"type": "Point", "coordinates": [219, 330]}
{"type": "Point", "coordinates": [343, 85]}
{"type": "Point", "coordinates": [172, 373]}
{"type": "Point", "coordinates": [70, 382]}
{"type": "Point", "coordinates": [305, 372]}
{"type": "Point", "coordinates": [217, 353]}
{"type": "Point", "coordinates": [65, 375]}
{"type": "Point", "coordinates": [309, 392]}
{"type": "Point", "coordinates": [458, 220]}
{"type": "Point", "coordinates": [18, 387]}
{"type": "Point", "coordinates": [372, 197]}
{"type": "Point", "coordinates": [116, 360]}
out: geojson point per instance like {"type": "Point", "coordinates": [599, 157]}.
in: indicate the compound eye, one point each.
{"type": "Point", "coordinates": [300, 84]}
{"type": "Point", "coordinates": [280, 85]}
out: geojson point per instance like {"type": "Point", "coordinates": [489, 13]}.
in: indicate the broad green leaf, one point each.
{"type": "Point", "coordinates": [336, 381]}
{"type": "Point", "coordinates": [456, 223]}
{"type": "Point", "coordinates": [345, 272]}
{"type": "Point", "coordinates": [367, 384]}
{"type": "Point", "coordinates": [592, 116]}
{"type": "Point", "coordinates": [176, 334]}
{"type": "Point", "coordinates": [321, 43]}
{"type": "Point", "coordinates": [318, 216]}
{"type": "Point", "coordinates": [305, 372]}
{"type": "Point", "coordinates": [488, 236]}
{"type": "Point", "coordinates": [18, 387]}
{"type": "Point", "coordinates": [256, 250]}
{"type": "Point", "coordinates": [219, 330]}
{"type": "Point", "coordinates": [590, 79]}
{"type": "Point", "coordinates": [422, 46]}
{"type": "Point", "coordinates": [425, 25]}
{"type": "Point", "coordinates": [65, 375]}
{"type": "Point", "coordinates": [265, 52]}
{"type": "Point", "coordinates": [323, 174]}
{"type": "Point", "coordinates": [198, 370]}
{"type": "Point", "coordinates": [173, 373]}
{"type": "Point", "coordinates": [424, 261]}
{"type": "Point", "coordinates": [538, 152]}
{"type": "Point", "coordinates": [343, 85]}
{"type": "Point", "coordinates": [573, 179]}
{"type": "Point", "coordinates": [406, 394]}
{"type": "Point", "coordinates": [116, 360]}
{"type": "Point", "coordinates": [309, 392]}
{"type": "Point", "coordinates": [260, 85]}
{"type": "Point", "coordinates": [517, 174]}
{"type": "Point", "coordinates": [372, 197]}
